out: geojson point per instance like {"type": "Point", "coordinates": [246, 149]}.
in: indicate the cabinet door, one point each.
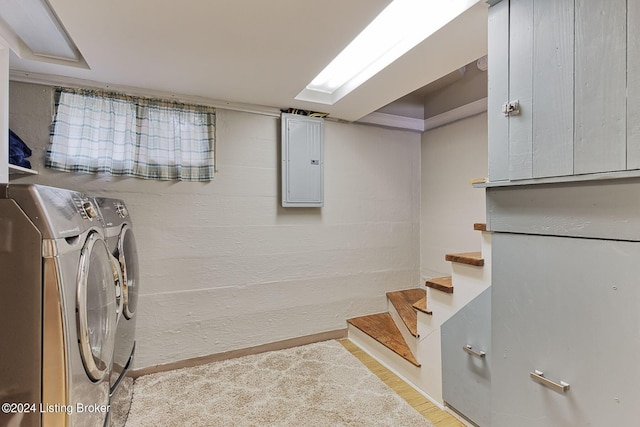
{"type": "Point", "coordinates": [498, 91]}
{"type": "Point", "coordinates": [531, 61]}
{"type": "Point", "coordinates": [541, 45]}
{"type": "Point", "coordinates": [600, 85]}
{"type": "Point", "coordinates": [633, 85]}
{"type": "Point", "coordinates": [552, 91]}
{"type": "Point", "coordinates": [466, 360]}
{"type": "Point", "coordinates": [567, 307]}
{"type": "Point", "coordinates": [521, 88]}
{"type": "Point", "coordinates": [572, 67]}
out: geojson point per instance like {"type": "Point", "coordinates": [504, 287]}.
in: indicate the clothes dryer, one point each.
{"type": "Point", "coordinates": [59, 304]}
{"type": "Point", "coordinates": [122, 244]}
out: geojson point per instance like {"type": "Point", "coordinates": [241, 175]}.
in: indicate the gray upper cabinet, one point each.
{"type": "Point", "coordinates": [564, 91]}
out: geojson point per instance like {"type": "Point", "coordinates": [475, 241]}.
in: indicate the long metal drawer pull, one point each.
{"type": "Point", "coordinates": [538, 376]}
{"type": "Point", "coordinates": [472, 352]}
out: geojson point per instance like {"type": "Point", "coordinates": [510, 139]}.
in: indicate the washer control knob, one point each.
{"type": "Point", "coordinates": [122, 211]}
{"type": "Point", "coordinates": [90, 210]}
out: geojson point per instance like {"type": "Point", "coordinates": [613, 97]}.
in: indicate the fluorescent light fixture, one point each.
{"type": "Point", "coordinates": [37, 26]}
{"type": "Point", "coordinates": [402, 25]}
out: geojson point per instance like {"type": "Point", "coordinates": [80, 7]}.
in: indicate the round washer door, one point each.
{"type": "Point", "coordinates": [128, 257]}
{"type": "Point", "coordinates": [97, 307]}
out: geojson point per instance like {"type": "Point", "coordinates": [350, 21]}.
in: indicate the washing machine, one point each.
{"type": "Point", "coordinates": [122, 244]}
{"type": "Point", "coordinates": [60, 299]}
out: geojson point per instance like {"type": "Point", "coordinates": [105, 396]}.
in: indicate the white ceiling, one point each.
{"type": "Point", "coordinates": [248, 51]}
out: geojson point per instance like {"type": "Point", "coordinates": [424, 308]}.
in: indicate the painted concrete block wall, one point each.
{"type": "Point", "coordinates": [451, 156]}
{"type": "Point", "coordinates": [224, 267]}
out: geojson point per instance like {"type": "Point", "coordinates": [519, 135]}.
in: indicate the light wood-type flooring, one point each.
{"type": "Point", "coordinates": [438, 417]}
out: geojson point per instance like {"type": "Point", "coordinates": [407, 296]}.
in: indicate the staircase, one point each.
{"type": "Point", "coordinates": [406, 338]}
{"type": "Point", "coordinates": [382, 328]}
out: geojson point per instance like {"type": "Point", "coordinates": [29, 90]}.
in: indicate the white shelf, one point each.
{"type": "Point", "coordinates": [19, 170]}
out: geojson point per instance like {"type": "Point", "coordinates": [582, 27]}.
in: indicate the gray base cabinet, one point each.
{"type": "Point", "coordinates": [466, 360]}
{"type": "Point", "coordinates": [568, 308]}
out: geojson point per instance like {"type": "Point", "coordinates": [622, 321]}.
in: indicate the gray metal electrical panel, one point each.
{"type": "Point", "coordinates": [302, 161]}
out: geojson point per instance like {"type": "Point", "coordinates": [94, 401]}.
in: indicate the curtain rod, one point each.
{"type": "Point", "coordinates": [51, 80]}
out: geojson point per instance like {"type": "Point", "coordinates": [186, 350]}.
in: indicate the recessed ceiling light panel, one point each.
{"type": "Point", "coordinates": [37, 26]}
{"type": "Point", "coordinates": [402, 25]}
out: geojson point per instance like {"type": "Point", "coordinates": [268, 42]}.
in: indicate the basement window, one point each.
{"type": "Point", "coordinates": [105, 132]}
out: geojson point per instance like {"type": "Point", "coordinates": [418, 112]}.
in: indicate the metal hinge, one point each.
{"type": "Point", "coordinates": [511, 108]}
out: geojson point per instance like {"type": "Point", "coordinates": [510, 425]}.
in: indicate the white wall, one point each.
{"type": "Point", "coordinates": [224, 267]}
{"type": "Point", "coordinates": [451, 156]}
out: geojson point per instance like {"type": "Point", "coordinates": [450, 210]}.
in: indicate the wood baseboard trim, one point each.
{"type": "Point", "coordinates": [278, 345]}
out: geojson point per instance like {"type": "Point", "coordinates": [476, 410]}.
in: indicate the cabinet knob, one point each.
{"type": "Point", "coordinates": [89, 210]}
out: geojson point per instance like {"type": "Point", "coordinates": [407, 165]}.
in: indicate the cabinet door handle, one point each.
{"type": "Point", "coordinates": [538, 376]}
{"type": "Point", "coordinates": [471, 351]}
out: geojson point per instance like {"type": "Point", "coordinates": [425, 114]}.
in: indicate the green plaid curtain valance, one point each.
{"type": "Point", "coordinates": [96, 132]}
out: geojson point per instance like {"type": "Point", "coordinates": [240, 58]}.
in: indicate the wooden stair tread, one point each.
{"type": "Point", "coordinates": [421, 305]}
{"type": "Point", "coordinates": [479, 226]}
{"type": "Point", "coordinates": [403, 302]}
{"type": "Point", "coordinates": [443, 284]}
{"type": "Point", "coordinates": [383, 329]}
{"type": "Point", "coordinates": [470, 258]}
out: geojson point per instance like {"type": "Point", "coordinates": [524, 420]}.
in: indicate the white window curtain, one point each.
{"type": "Point", "coordinates": [101, 132]}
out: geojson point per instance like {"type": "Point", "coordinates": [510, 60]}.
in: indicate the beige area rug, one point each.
{"type": "Point", "coordinates": [319, 384]}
